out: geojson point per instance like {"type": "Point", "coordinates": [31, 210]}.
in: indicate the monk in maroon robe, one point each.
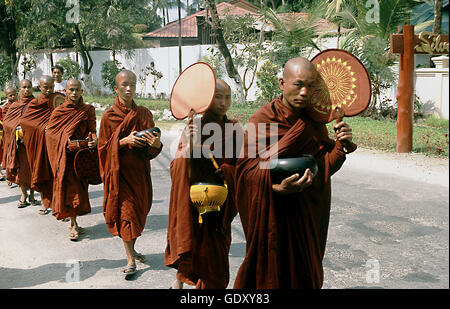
{"type": "Point", "coordinates": [70, 124]}
{"type": "Point", "coordinates": [11, 97]}
{"type": "Point", "coordinates": [286, 224]}
{"type": "Point", "coordinates": [125, 166]}
{"type": "Point", "coordinates": [33, 123]}
{"type": "Point", "coordinates": [199, 251]}
{"type": "Point", "coordinates": [17, 166]}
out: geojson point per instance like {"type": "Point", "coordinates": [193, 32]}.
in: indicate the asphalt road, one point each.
{"type": "Point", "coordinates": [389, 229]}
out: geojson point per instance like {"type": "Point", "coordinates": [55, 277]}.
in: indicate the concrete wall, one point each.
{"type": "Point", "coordinates": [164, 58]}
{"type": "Point", "coordinates": [432, 87]}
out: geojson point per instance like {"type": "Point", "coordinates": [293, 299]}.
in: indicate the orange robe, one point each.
{"type": "Point", "coordinates": [125, 172]}
{"type": "Point", "coordinates": [17, 166]}
{"type": "Point", "coordinates": [33, 123]}
{"type": "Point", "coordinates": [285, 234]}
{"type": "Point", "coordinates": [74, 122]}
{"type": "Point", "coordinates": [200, 251]}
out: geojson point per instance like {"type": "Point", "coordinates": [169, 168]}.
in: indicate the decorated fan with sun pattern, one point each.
{"type": "Point", "coordinates": [343, 87]}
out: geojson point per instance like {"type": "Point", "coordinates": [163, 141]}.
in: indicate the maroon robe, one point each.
{"type": "Point", "coordinates": [74, 122]}
{"type": "Point", "coordinates": [125, 172]}
{"type": "Point", "coordinates": [200, 251]}
{"type": "Point", "coordinates": [285, 234]}
{"type": "Point", "coordinates": [16, 160]}
{"type": "Point", "coordinates": [33, 123]}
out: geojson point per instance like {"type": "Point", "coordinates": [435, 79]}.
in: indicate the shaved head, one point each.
{"type": "Point", "coordinates": [46, 79]}
{"type": "Point", "coordinates": [124, 74]}
{"type": "Point", "coordinates": [222, 85]}
{"type": "Point", "coordinates": [10, 90]}
{"type": "Point", "coordinates": [74, 82]}
{"type": "Point", "coordinates": [24, 82]}
{"type": "Point", "coordinates": [297, 64]}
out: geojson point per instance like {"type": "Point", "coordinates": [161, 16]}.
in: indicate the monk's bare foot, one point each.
{"type": "Point", "coordinates": [177, 284]}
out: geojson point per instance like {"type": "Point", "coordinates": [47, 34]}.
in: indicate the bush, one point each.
{"type": "Point", "coordinates": [139, 28]}
{"type": "Point", "coordinates": [71, 68]}
{"type": "Point", "coordinates": [5, 70]}
{"type": "Point", "coordinates": [109, 71]}
{"type": "Point", "coordinates": [268, 81]}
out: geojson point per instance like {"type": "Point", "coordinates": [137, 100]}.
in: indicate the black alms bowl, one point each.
{"type": "Point", "coordinates": [151, 130]}
{"type": "Point", "coordinates": [281, 168]}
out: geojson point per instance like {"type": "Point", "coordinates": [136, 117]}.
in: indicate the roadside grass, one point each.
{"type": "Point", "coordinates": [430, 136]}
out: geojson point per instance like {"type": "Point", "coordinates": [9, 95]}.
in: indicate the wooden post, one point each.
{"type": "Point", "coordinates": [405, 91]}
{"type": "Point", "coordinates": [407, 44]}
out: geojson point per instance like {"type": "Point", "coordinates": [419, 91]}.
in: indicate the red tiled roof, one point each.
{"type": "Point", "coordinates": [189, 23]}
{"type": "Point", "coordinates": [235, 8]}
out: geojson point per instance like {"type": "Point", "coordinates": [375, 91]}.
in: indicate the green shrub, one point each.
{"type": "Point", "coordinates": [109, 71]}
{"type": "Point", "coordinates": [5, 70]}
{"type": "Point", "coordinates": [267, 81]}
{"type": "Point", "coordinates": [71, 68]}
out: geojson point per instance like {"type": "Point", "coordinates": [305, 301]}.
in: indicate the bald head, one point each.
{"type": "Point", "coordinates": [10, 90]}
{"type": "Point", "coordinates": [11, 94]}
{"type": "Point", "coordinates": [46, 85]}
{"type": "Point", "coordinates": [124, 74]}
{"type": "Point", "coordinates": [25, 82]}
{"type": "Point", "coordinates": [296, 65]}
{"type": "Point", "coordinates": [46, 79]}
{"type": "Point", "coordinates": [222, 85]}
{"type": "Point", "coordinates": [73, 82]}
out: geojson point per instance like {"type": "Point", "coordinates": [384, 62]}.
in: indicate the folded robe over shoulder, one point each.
{"type": "Point", "coordinates": [17, 166]}
{"type": "Point", "coordinates": [125, 172]}
{"type": "Point", "coordinates": [286, 235]}
{"type": "Point", "coordinates": [68, 121]}
{"type": "Point", "coordinates": [33, 123]}
{"type": "Point", "coordinates": [200, 252]}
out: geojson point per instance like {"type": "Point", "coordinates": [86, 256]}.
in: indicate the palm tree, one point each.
{"type": "Point", "coordinates": [369, 40]}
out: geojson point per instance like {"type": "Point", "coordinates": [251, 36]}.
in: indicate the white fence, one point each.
{"type": "Point", "coordinates": [164, 58]}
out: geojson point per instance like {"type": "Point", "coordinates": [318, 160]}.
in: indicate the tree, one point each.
{"type": "Point", "coordinates": [221, 44]}
{"type": "Point", "coordinates": [437, 16]}
{"type": "Point", "coordinates": [369, 37]}
{"type": "Point", "coordinates": [246, 45]}
{"type": "Point", "coordinates": [292, 35]}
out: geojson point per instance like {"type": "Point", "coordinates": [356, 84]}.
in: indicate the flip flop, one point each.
{"type": "Point", "coordinates": [140, 257]}
{"type": "Point", "coordinates": [44, 211]}
{"type": "Point", "coordinates": [128, 271]}
{"type": "Point", "coordinates": [22, 204]}
{"type": "Point", "coordinates": [35, 203]}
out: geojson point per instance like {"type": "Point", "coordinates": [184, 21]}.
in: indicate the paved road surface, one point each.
{"type": "Point", "coordinates": [388, 229]}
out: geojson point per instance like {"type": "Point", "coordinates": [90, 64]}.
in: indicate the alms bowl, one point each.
{"type": "Point", "coordinates": [281, 168]}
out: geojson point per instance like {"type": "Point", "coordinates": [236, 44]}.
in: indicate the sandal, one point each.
{"type": "Point", "coordinates": [35, 203]}
{"type": "Point", "coordinates": [140, 257]}
{"type": "Point", "coordinates": [44, 211]}
{"type": "Point", "coordinates": [22, 204]}
{"type": "Point", "coordinates": [128, 271]}
{"type": "Point", "coordinates": [74, 233]}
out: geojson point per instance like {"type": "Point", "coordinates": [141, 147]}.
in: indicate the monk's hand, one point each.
{"type": "Point", "coordinates": [294, 183]}
{"type": "Point", "coordinates": [92, 144]}
{"type": "Point", "coordinates": [133, 141]}
{"type": "Point", "coordinates": [152, 139]}
{"type": "Point", "coordinates": [343, 133]}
